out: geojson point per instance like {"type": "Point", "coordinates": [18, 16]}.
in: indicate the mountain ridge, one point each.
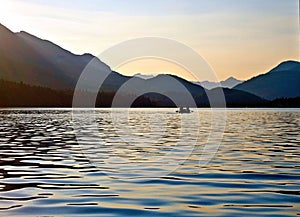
{"type": "Point", "coordinates": [34, 61]}
{"type": "Point", "coordinates": [280, 82]}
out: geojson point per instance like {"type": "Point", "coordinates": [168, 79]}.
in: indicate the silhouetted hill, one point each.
{"type": "Point", "coordinates": [36, 62]}
{"type": "Point", "coordinates": [282, 81]}
{"type": "Point", "coordinates": [286, 103]}
{"type": "Point", "coordinates": [26, 58]}
{"type": "Point", "coordinates": [236, 98]}
{"type": "Point", "coordinates": [20, 62]}
{"type": "Point", "coordinates": [14, 94]}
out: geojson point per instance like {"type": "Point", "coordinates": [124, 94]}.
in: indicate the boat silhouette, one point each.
{"type": "Point", "coordinates": [184, 110]}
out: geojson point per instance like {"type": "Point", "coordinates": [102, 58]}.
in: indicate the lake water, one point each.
{"type": "Point", "coordinates": [146, 164]}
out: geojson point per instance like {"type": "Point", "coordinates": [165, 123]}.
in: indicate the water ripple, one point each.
{"type": "Point", "coordinates": [43, 171]}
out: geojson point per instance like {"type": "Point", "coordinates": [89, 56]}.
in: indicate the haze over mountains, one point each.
{"type": "Point", "coordinates": [228, 83]}
{"type": "Point", "coordinates": [31, 60]}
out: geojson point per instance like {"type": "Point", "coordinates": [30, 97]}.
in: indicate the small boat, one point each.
{"type": "Point", "coordinates": [184, 110]}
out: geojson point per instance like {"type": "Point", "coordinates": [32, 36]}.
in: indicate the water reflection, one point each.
{"type": "Point", "coordinates": [43, 170]}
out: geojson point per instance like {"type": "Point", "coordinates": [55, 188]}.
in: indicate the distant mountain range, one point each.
{"type": "Point", "coordinates": [228, 83]}
{"type": "Point", "coordinates": [144, 76]}
{"type": "Point", "coordinates": [36, 62]}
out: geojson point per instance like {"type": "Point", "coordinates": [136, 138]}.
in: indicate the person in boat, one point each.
{"type": "Point", "coordinates": [181, 110]}
{"type": "Point", "coordinates": [184, 110]}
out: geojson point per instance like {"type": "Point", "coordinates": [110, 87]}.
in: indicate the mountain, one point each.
{"type": "Point", "coordinates": [40, 63]}
{"type": "Point", "coordinates": [19, 62]}
{"type": "Point", "coordinates": [18, 94]}
{"type": "Point", "coordinates": [26, 58]}
{"type": "Point", "coordinates": [281, 82]}
{"type": "Point", "coordinates": [228, 83]}
{"type": "Point", "coordinates": [13, 94]}
{"type": "Point", "coordinates": [70, 64]}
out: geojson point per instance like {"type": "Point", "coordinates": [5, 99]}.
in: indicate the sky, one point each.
{"type": "Point", "coordinates": [239, 38]}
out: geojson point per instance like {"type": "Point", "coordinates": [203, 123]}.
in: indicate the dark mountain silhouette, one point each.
{"type": "Point", "coordinates": [13, 94]}
{"type": "Point", "coordinates": [26, 58]}
{"type": "Point", "coordinates": [281, 82]}
{"type": "Point", "coordinates": [39, 63]}
{"type": "Point", "coordinates": [20, 62]}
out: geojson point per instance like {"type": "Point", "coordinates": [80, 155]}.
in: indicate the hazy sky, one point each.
{"type": "Point", "coordinates": [239, 38]}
